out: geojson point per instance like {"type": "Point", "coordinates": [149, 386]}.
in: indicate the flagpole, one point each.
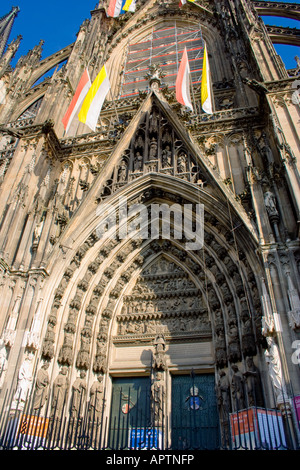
{"type": "Point", "coordinates": [193, 96]}
{"type": "Point", "coordinates": [210, 82]}
{"type": "Point", "coordinates": [211, 88]}
{"type": "Point", "coordinates": [112, 98]}
{"type": "Point", "coordinates": [211, 93]}
{"type": "Point", "coordinates": [114, 104]}
{"type": "Point", "coordinates": [206, 79]}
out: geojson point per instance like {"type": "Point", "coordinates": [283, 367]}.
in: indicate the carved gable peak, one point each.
{"type": "Point", "coordinates": [162, 267]}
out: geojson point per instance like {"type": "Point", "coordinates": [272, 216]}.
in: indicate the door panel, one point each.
{"type": "Point", "coordinates": [195, 422]}
{"type": "Point", "coordinates": [130, 412]}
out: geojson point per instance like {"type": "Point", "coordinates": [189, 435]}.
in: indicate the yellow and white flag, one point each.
{"type": "Point", "coordinates": [206, 101]}
{"type": "Point", "coordinates": [183, 2]}
{"type": "Point", "coordinates": [91, 107]}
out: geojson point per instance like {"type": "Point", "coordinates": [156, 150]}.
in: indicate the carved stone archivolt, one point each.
{"type": "Point", "coordinates": [182, 296]}
{"type": "Point", "coordinates": [164, 299]}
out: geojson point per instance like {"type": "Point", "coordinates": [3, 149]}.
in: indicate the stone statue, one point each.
{"type": "Point", "coordinates": [139, 143]}
{"type": "Point", "coordinates": [79, 394]}
{"type": "Point", "coordinates": [159, 354]}
{"type": "Point", "coordinates": [275, 370]}
{"type": "Point", "coordinates": [237, 389]}
{"type": "Point", "coordinates": [138, 160]}
{"type": "Point", "coordinates": [48, 343]}
{"type": "Point", "coordinates": [3, 362]}
{"type": "Point", "coordinates": [157, 399]}
{"type": "Point", "coordinates": [100, 357]}
{"type": "Point", "coordinates": [96, 399]}
{"type": "Point", "coordinates": [60, 388]}
{"type": "Point", "coordinates": [224, 404]}
{"type": "Point", "coordinates": [223, 395]}
{"type": "Point", "coordinates": [153, 149]}
{"type": "Point", "coordinates": [41, 388]}
{"type": "Point", "coordinates": [253, 384]}
{"type": "Point", "coordinates": [122, 171]}
{"type": "Point", "coordinates": [153, 122]}
{"type": "Point", "coordinates": [37, 231]}
{"type": "Point", "coordinates": [166, 157]}
{"type": "Point", "coordinates": [66, 351]}
{"type": "Point", "coordinates": [234, 354]}
{"type": "Point", "coordinates": [24, 382]}
{"type": "Point", "coordinates": [83, 358]}
{"type": "Point", "coordinates": [270, 203]}
{"type": "Point", "coordinates": [220, 348]}
{"type": "Point", "coordinates": [181, 163]}
{"type": "Point", "coordinates": [248, 340]}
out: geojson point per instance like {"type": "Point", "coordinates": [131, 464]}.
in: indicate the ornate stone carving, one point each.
{"type": "Point", "coordinates": [223, 394]}
{"type": "Point", "coordinates": [41, 388]}
{"type": "Point", "coordinates": [294, 313]}
{"type": "Point", "coordinates": [96, 400]}
{"type": "Point", "coordinates": [48, 343]}
{"type": "Point", "coordinates": [59, 393]}
{"type": "Point", "coordinates": [66, 351]}
{"type": "Point", "coordinates": [237, 389]}
{"type": "Point", "coordinates": [3, 362]}
{"type": "Point", "coordinates": [100, 363]}
{"type": "Point", "coordinates": [79, 390]}
{"type": "Point", "coordinates": [165, 299]}
{"type": "Point", "coordinates": [224, 404]}
{"type": "Point", "coordinates": [253, 384]}
{"type": "Point", "coordinates": [268, 325]}
{"type": "Point", "coordinates": [270, 202]}
{"type": "Point", "coordinates": [158, 394]}
{"type": "Point", "coordinates": [220, 348]}
{"type": "Point", "coordinates": [234, 353]}
{"type": "Point", "coordinates": [159, 352]}
{"type": "Point", "coordinates": [275, 370]}
{"type": "Point", "coordinates": [24, 383]}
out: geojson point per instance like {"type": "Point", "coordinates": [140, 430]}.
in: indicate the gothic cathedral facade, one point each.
{"type": "Point", "coordinates": [142, 327]}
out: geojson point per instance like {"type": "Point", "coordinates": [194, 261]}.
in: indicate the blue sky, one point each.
{"type": "Point", "coordinates": [58, 21]}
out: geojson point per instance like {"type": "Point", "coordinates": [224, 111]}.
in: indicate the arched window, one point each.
{"type": "Point", "coordinates": [31, 111]}
{"type": "Point", "coordinates": [163, 47]}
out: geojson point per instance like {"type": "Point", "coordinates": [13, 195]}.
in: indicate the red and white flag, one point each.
{"type": "Point", "coordinates": [183, 82]}
{"type": "Point", "coordinates": [80, 93]}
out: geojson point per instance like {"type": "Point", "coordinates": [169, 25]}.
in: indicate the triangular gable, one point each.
{"type": "Point", "coordinates": [143, 150]}
{"type": "Point", "coordinates": [156, 141]}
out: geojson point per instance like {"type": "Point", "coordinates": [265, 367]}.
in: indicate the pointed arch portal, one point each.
{"type": "Point", "coordinates": [149, 309]}
{"type": "Point", "coordinates": [148, 269]}
{"type": "Point", "coordinates": [116, 296]}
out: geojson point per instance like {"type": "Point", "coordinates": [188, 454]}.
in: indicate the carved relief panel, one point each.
{"type": "Point", "coordinates": [155, 147]}
{"type": "Point", "coordinates": [165, 300]}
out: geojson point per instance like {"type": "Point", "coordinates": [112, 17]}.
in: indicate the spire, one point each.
{"type": "Point", "coordinates": [6, 23]}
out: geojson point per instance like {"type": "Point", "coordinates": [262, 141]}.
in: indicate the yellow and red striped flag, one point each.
{"type": "Point", "coordinates": [94, 100]}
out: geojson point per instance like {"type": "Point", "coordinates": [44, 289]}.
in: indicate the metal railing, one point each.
{"type": "Point", "coordinates": [143, 427]}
